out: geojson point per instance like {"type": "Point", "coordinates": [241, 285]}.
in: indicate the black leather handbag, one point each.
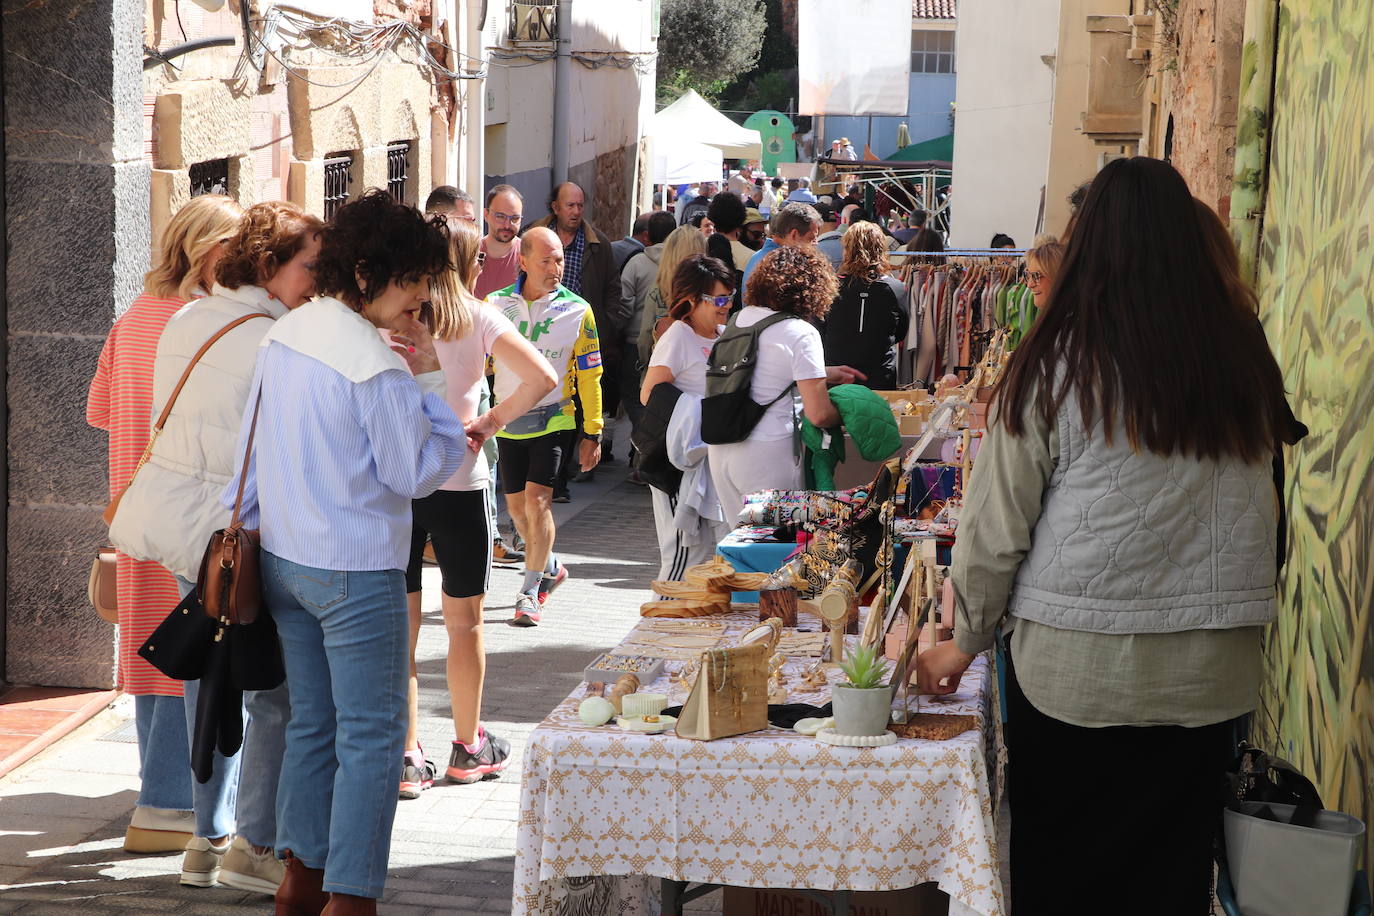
{"type": "Point", "coordinates": [181, 644]}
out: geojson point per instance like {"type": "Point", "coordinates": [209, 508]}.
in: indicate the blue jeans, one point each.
{"type": "Point", "coordinates": [164, 753]}
{"type": "Point", "coordinates": [345, 641]}
{"type": "Point", "coordinates": [243, 788]}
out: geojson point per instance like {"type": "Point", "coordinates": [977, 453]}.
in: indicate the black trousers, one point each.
{"type": "Point", "coordinates": [1113, 820]}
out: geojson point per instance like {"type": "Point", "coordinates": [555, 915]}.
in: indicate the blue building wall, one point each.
{"type": "Point", "coordinates": [928, 117]}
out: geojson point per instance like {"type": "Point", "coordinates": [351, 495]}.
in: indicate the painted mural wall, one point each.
{"type": "Point", "coordinates": [1316, 288]}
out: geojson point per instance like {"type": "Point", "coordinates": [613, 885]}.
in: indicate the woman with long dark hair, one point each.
{"type": "Point", "coordinates": [1123, 514]}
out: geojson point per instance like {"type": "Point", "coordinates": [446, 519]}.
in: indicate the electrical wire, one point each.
{"type": "Point", "coordinates": [361, 43]}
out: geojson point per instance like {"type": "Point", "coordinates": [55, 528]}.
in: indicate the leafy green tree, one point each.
{"type": "Point", "coordinates": [772, 83]}
{"type": "Point", "coordinates": [706, 44]}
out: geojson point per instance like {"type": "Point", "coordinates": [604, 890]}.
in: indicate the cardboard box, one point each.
{"type": "Point", "coordinates": [923, 900]}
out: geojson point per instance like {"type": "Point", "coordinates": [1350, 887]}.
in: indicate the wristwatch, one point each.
{"type": "Point", "coordinates": [592, 437]}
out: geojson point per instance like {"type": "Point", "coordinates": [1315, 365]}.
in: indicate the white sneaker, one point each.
{"type": "Point", "coordinates": [157, 830]}
{"type": "Point", "coordinates": [246, 869]}
{"type": "Point", "coordinates": [200, 866]}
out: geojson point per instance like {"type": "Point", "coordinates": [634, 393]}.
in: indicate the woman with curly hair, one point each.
{"type": "Point", "coordinates": [169, 514]}
{"type": "Point", "coordinates": [347, 431]}
{"type": "Point", "coordinates": [869, 316]}
{"type": "Point", "coordinates": [799, 283]}
{"type": "Point", "coordinates": [120, 401]}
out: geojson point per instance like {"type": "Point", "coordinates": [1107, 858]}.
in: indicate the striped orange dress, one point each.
{"type": "Point", "coordinates": [121, 403]}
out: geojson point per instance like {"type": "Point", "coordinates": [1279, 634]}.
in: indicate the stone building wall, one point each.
{"type": "Point", "coordinates": [1195, 120]}
{"type": "Point", "coordinates": [98, 155]}
{"type": "Point", "coordinates": [76, 225]}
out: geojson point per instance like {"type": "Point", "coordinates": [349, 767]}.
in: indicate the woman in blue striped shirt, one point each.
{"type": "Point", "coordinates": [349, 431]}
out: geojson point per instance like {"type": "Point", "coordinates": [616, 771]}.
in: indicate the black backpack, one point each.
{"type": "Point", "coordinates": [729, 412]}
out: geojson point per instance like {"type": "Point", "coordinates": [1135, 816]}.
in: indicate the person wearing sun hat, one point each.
{"type": "Point", "coordinates": [755, 228]}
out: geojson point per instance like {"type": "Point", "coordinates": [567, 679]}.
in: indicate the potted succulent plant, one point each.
{"type": "Point", "coordinates": [863, 706]}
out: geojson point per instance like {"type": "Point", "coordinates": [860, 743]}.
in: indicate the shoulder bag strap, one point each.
{"type": "Point", "coordinates": [167, 410]}
{"type": "Point", "coordinates": [247, 455]}
{"type": "Point", "coordinates": [204, 348]}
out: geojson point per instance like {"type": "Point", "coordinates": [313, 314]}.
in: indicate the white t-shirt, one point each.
{"type": "Point", "coordinates": [788, 351]}
{"type": "Point", "coordinates": [464, 362]}
{"type": "Point", "coordinates": [685, 353]}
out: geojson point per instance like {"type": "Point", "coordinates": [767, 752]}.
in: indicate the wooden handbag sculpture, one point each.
{"type": "Point", "coordinates": [730, 696]}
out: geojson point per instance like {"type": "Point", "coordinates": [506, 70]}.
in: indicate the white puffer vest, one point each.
{"type": "Point", "coordinates": [172, 507]}
{"type": "Point", "coordinates": [1131, 542]}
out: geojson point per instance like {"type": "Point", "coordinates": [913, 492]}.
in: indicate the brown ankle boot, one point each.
{"type": "Point", "coordinates": [301, 892]}
{"type": "Point", "coordinates": [349, 905]}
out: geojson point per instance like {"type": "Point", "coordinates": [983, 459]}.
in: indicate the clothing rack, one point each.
{"type": "Point", "coordinates": [962, 253]}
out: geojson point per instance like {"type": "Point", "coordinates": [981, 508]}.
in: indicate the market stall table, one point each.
{"type": "Point", "coordinates": [769, 809]}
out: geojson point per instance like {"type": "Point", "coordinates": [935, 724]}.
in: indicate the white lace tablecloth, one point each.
{"type": "Point", "coordinates": [768, 809]}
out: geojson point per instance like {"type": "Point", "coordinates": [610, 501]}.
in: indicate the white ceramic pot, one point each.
{"type": "Point", "coordinates": [861, 712]}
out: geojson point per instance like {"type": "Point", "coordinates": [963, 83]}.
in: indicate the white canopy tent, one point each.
{"type": "Point", "coordinates": [691, 119]}
{"type": "Point", "coordinates": [680, 162]}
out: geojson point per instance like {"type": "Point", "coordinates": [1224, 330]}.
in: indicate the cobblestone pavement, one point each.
{"type": "Point", "coordinates": [63, 814]}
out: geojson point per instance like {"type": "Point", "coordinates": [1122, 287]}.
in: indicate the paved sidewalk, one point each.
{"type": "Point", "coordinates": [63, 814]}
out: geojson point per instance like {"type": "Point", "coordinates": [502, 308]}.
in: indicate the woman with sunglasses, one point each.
{"type": "Point", "coordinates": [703, 290]}
{"type": "Point", "coordinates": [1042, 265]}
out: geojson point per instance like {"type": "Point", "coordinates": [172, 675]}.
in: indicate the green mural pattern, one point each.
{"type": "Point", "coordinates": [1316, 289]}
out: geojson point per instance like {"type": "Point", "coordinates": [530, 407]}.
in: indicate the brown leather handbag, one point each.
{"type": "Point", "coordinates": [230, 582]}
{"type": "Point", "coordinates": [102, 585]}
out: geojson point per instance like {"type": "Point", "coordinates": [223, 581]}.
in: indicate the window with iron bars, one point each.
{"type": "Point", "coordinates": [338, 178]}
{"type": "Point", "coordinates": [398, 169]}
{"type": "Point", "coordinates": [210, 177]}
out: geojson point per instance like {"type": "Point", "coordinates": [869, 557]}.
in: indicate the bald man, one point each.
{"type": "Point", "coordinates": [589, 271]}
{"type": "Point", "coordinates": [561, 326]}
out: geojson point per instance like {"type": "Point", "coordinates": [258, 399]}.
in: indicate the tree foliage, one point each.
{"type": "Point", "coordinates": [706, 44]}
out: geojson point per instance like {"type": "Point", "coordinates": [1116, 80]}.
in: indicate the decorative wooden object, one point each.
{"type": "Point", "coordinates": [933, 726]}
{"type": "Point", "coordinates": [835, 605]}
{"type": "Point", "coordinates": [780, 603]}
{"type": "Point", "coordinates": [730, 695]}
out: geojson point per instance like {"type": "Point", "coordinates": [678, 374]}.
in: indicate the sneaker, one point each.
{"type": "Point", "coordinates": [246, 869]}
{"type": "Point", "coordinates": [465, 767]}
{"type": "Point", "coordinates": [518, 543]}
{"type": "Point", "coordinates": [563, 497]}
{"type": "Point", "coordinates": [200, 867]}
{"type": "Point", "coordinates": [415, 779]}
{"type": "Point", "coordinates": [500, 553]}
{"type": "Point", "coordinates": [547, 586]}
{"type": "Point", "coordinates": [526, 611]}
{"type": "Point", "coordinates": [158, 830]}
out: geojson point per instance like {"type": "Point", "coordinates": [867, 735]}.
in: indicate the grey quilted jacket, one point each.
{"type": "Point", "coordinates": [1133, 542]}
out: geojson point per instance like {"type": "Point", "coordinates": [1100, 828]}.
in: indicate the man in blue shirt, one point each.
{"type": "Point", "coordinates": [794, 226]}
{"type": "Point", "coordinates": [802, 195]}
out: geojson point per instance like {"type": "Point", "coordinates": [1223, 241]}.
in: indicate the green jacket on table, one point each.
{"type": "Point", "coordinates": [868, 420]}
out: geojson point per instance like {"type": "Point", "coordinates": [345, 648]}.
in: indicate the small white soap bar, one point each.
{"type": "Point", "coordinates": [638, 705]}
